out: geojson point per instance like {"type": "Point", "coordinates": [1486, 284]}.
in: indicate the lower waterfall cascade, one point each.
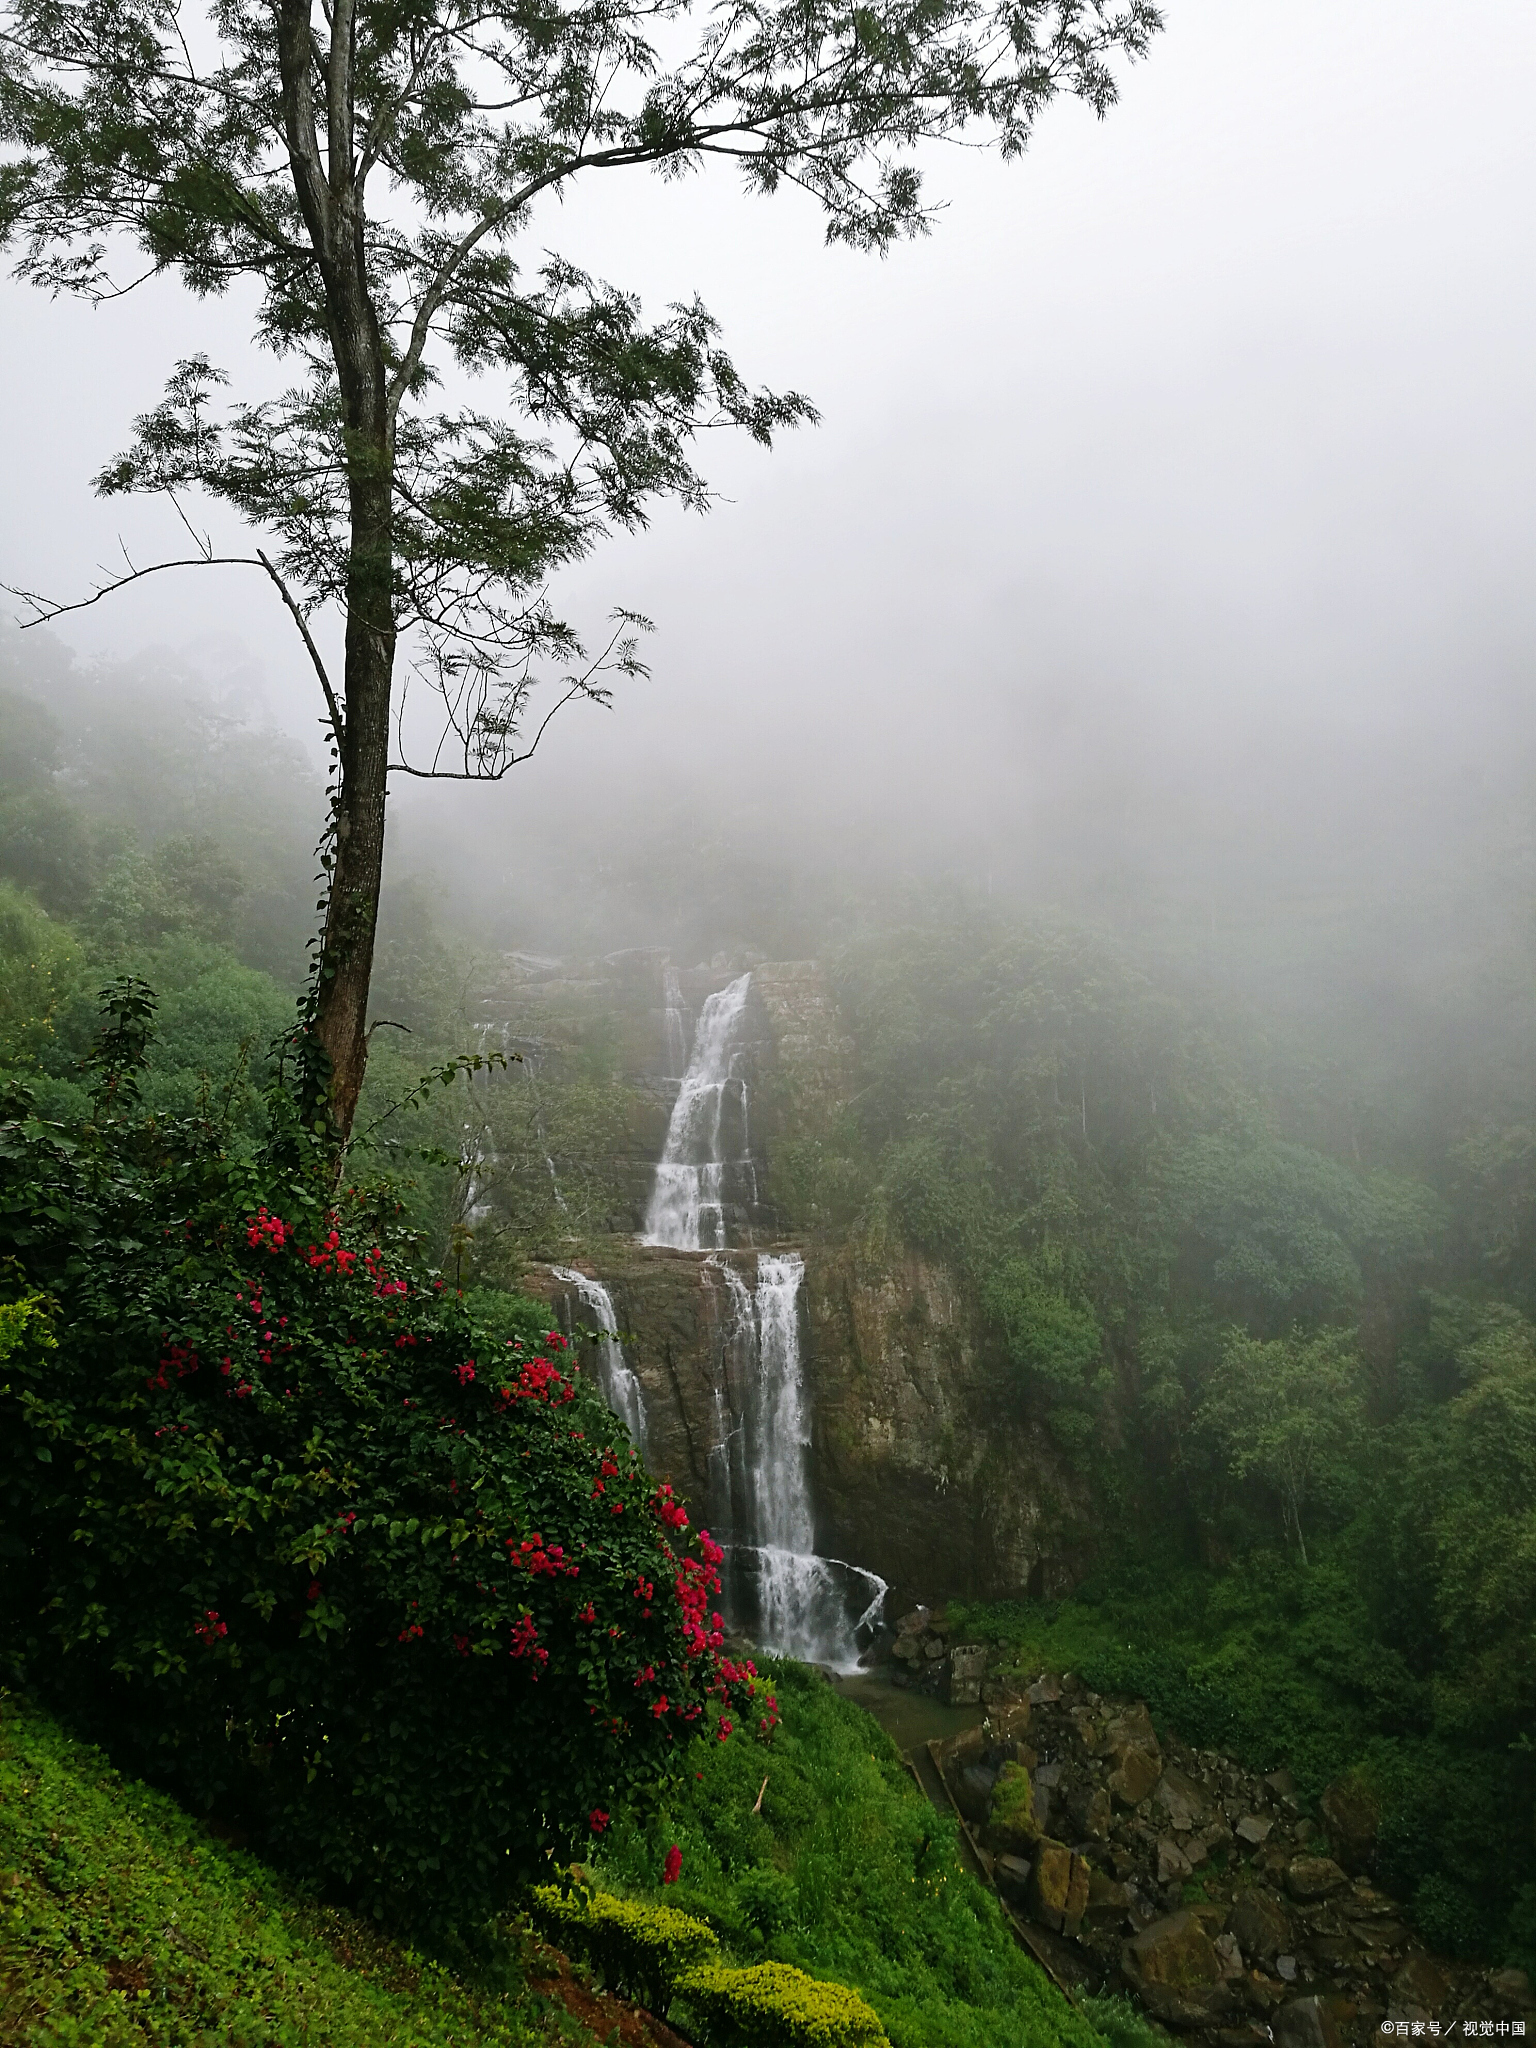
{"type": "Point", "coordinates": [795, 1601]}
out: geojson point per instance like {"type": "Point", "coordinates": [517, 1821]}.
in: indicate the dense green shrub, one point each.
{"type": "Point", "coordinates": [300, 1539]}
{"type": "Point", "coordinates": [637, 1948]}
{"type": "Point", "coordinates": [778, 2004]}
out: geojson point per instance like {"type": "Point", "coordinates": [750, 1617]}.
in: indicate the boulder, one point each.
{"type": "Point", "coordinates": [1511, 1990]}
{"type": "Point", "coordinates": [1181, 1799]}
{"type": "Point", "coordinates": [908, 1649]}
{"type": "Point", "coordinates": [1352, 1818]}
{"type": "Point", "coordinates": [1090, 1812]}
{"type": "Point", "coordinates": [1216, 1835]}
{"type": "Point", "coordinates": [1131, 1728]}
{"type": "Point", "coordinates": [968, 1745]}
{"type": "Point", "coordinates": [1332, 1953]}
{"type": "Point", "coordinates": [933, 1648]}
{"type": "Point", "coordinates": [973, 1789]}
{"type": "Point", "coordinates": [1134, 1778]}
{"type": "Point", "coordinates": [1421, 1988]}
{"type": "Point", "coordinates": [1313, 1877]}
{"type": "Point", "coordinates": [1173, 1866]}
{"type": "Point", "coordinates": [1012, 1876]}
{"type": "Point", "coordinates": [967, 1668]}
{"type": "Point", "coordinates": [1045, 1691]}
{"type": "Point", "coordinates": [1007, 1719]}
{"type": "Point", "coordinates": [915, 1623]}
{"type": "Point", "coordinates": [1226, 1947]}
{"type": "Point", "coordinates": [1262, 1927]}
{"type": "Point", "coordinates": [1058, 1891]}
{"type": "Point", "coordinates": [1176, 1971]}
{"type": "Point", "coordinates": [1108, 1899]}
{"type": "Point", "coordinates": [1005, 1692]}
{"type": "Point", "coordinates": [1306, 2023]}
{"type": "Point", "coordinates": [1254, 1828]}
{"type": "Point", "coordinates": [1011, 1824]}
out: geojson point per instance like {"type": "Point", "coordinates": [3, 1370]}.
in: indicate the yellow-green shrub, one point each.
{"type": "Point", "coordinates": [774, 2005]}
{"type": "Point", "coordinates": [637, 1948]}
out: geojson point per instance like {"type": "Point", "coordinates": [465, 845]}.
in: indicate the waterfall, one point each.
{"type": "Point", "coordinates": [797, 1603]}
{"type": "Point", "coordinates": [621, 1390]}
{"type": "Point", "coordinates": [688, 1198]}
{"type": "Point", "coordinates": [793, 1601]}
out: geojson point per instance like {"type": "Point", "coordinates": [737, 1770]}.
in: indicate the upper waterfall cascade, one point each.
{"type": "Point", "coordinates": [621, 1389]}
{"type": "Point", "coordinates": [687, 1208]}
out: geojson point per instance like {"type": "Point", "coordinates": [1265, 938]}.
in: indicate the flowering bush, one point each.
{"type": "Point", "coordinates": [287, 1529]}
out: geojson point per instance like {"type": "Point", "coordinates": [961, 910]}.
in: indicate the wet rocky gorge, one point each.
{"type": "Point", "coordinates": [1232, 1911]}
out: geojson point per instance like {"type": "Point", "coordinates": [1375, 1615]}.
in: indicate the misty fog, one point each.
{"type": "Point", "coordinates": [1162, 553]}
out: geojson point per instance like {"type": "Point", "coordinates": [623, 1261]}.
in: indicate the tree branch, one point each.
{"type": "Point", "coordinates": [338, 724]}
{"type": "Point", "coordinates": [45, 610]}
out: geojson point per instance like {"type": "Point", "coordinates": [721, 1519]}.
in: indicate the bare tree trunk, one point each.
{"type": "Point", "coordinates": [332, 205]}
{"type": "Point", "coordinates": [346, 964]}
{"type": "Point", "coordinates": [1293, 1515]}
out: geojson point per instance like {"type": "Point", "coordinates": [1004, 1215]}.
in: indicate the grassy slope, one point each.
{"type": "Point", "coordinates": [848, 1873]}
{"type": "Point", "coordinates": [122, 1923]}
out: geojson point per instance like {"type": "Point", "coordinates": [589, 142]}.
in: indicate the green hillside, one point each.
{"type": "Point", "coordinates": [124, 1922]}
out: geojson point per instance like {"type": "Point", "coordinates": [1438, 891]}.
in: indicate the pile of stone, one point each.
{"type": "Point", "coordinates": [1204, 1891]}
{"type": "Point", "coordinates": [925, 1658]}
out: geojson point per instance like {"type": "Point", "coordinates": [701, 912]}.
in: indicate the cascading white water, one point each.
{"type": "Point", "coordinates": [795, 1602]}
{"type": "Point", "coordinates": [621, 1390]}
{"type": "Point", "coordinates": [687, 1199]}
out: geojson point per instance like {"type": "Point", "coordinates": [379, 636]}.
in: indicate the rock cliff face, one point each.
{"type": "Point", "coordinates": [916, 1474]}
{"type": "Point", "coordinates": [1139, 1865]}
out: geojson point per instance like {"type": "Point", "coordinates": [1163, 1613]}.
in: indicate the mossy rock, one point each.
{"type": "Point", "coordinates": [1011, 1822]}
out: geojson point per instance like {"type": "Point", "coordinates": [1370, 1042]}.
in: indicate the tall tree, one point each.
{"type": "Point", "coordinates": [377, 168]}
{"type": "Point", "coordinates": [1288, 1408]}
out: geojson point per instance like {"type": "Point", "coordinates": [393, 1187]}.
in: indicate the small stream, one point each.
{"type": "Point", "coordinates": [909, 1718]}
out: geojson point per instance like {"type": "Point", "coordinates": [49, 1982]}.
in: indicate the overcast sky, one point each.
{"type": "Point", "coordinates": [1179, 481]}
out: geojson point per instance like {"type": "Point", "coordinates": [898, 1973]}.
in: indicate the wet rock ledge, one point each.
{"type": "Point", "coordinates": [1139, 1865]}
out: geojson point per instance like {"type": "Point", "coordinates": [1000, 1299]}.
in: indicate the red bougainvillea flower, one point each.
{"type": "Point", "coordinates": [672, 1869]}
{"type": "Point", "coordinates": [597, 1820]}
